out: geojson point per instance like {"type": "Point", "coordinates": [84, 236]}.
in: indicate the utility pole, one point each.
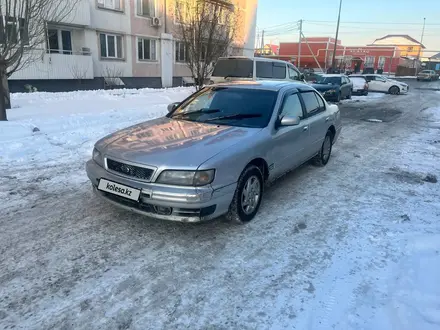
{"type": "Point", "coordinates": [299, 42]}
{"type": "Point", "coordinates": [262, 42]}
{"type": "Point", "coordinates": [337, 34]}
{"type": "Point", "coordinates": [421, 42]}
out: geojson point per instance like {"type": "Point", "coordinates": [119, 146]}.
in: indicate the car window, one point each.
{"type": "Point", "coordinates": [310, 102]}
{"type": "Point", "coordinates": [279, 70]}
{"type": "Point", "coordinates": [270, 70]}
{"type": "Point", "coordinates": [243, 107]}
{"type": "Point", "coordinates": [371, 78]}
{"type": "Point", "coordinates": [293, 74]}
{"type": "Point", "coordinates": [242, 68]}
{"type": "Point", "coordinates": [292, 107]}
{"type": "Point", "coordinates": [320, 102]}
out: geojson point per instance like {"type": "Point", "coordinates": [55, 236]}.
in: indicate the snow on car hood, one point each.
{"type": "Point", "coordinates": [166, 141]}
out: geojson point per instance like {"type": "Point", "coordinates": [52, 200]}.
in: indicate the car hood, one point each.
{"type": "Point", "coordinates": [323, 88]}
{"type": "Point", "coordinates": [173, 143]}
{"type": "Point", "coordinates": [398, 82]}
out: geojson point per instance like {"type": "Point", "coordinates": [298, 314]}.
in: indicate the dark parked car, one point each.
{"type": "Point", "coordinates": [334, 87]}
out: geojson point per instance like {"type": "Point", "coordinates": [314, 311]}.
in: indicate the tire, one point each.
{"type": "Point", "coordinates": [394, 90]}
{"type": "Point", "coordinates": [366, 93]}
{"type": "Point", "coordinates": [239, 213]}
{"type": "Point", "coordinates": [418, 79]}
{"type": "Point", "coordinates": [322, 158]}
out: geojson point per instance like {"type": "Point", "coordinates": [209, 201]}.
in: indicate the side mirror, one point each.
{"type": "Point", "coordinates": [172, 106]}
{"type": "Point", "coordinates": [290, 121]}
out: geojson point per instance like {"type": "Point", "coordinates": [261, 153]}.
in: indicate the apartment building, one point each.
{"type": "Point", "coordinates": [128, 43]}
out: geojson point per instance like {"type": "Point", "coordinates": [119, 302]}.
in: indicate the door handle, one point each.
{"type": "Point", "coordinates": [305, 128]}
{"type": "Point", "coordinates": [327, 119]}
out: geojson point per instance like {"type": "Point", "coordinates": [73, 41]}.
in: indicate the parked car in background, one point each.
{"type": "Point", "coordinates": [427, 75]}
{"type": "Point", "coordinates": [360, 85]}
{"type": "Point", "coordinates": [334, 87]}
{"type": "Point", "coordinates": [240, 68]}
{"type": "Point", "coordinates": [213, 152]}
{"type": "Point", "coordinates": [379, 83]}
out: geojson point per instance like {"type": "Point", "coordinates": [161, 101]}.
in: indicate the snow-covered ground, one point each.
{"type": "Point", "coordinates": [353, 245]}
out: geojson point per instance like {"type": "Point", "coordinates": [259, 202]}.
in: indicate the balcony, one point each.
{"type": "Point", "coordinates": [65, 65]}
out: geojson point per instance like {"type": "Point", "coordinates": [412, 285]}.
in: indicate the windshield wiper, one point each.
{"type": "Point", "coordinates": [236, 116]}
{"type": "Point", "coordinates": [203, 110]}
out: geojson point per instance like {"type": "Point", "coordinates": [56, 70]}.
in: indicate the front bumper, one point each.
{"type": "Point", "coordinates": [184, 204]}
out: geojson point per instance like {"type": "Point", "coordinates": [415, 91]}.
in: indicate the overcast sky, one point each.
{"type": "Point", "coordinates": [361, 21]}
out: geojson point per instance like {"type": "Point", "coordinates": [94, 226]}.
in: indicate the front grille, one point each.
{"type": "Point", "coordinates": [137, 172]}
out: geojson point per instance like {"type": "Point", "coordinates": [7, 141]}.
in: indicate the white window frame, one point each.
{"type": "Point", "coordinates": [116, 46]}
{"type": "Point", "coordinates": [367, 62]}
{"type": "Point", "coordinates": [381, 62]}
{"type": "Point", "coordinates": [143, 38]}
{"type": "Point", "coordinates": [139, 5]}
{"type": "Point", "coordinates": [117, 5]}
{"type": "Point", "coordinates": [177, 42]}
{"type": "Point", "coordinates": [60, 40]}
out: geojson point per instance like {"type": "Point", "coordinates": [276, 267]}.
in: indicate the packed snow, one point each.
{"type": "Point", "coordinates": [379, 270]}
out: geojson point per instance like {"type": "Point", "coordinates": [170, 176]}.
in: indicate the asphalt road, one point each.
{"type": "Point", "coordinates": [69, 261]}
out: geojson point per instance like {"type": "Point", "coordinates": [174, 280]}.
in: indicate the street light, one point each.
{"type": "Point", "coordinates": [337, 34]}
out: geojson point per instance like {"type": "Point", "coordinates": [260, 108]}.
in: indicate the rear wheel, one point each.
{"type": "Point", "coordinates": [247, 197]}
{"type": "Point", "coordinates": [394, 90]}
{"type": "Point", "coordinates": [322, 158]}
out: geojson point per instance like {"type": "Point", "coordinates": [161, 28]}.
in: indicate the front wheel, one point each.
{"type": "Point", "coordinates": [247, 197]}
{"type": "Point", "coordinates": [322, 158]}
{"type": "Point", "coordinates": [394, 90]}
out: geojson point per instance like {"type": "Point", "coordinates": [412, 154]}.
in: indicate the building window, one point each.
{"type": "Point", "coordinates": [369, 62]}
{"type": "Point", "coordinates": [410, 49]}
{"type": "Point", "coordinates": [111, 46]}
{"type": "Point", "coordinates": [110, 4]}
{"type": "Point", "coordinates": [381, 63]}
{"type": "Point", "coordinates": [146, 8]}
{"type": "Point", "coordinates": [59, 41]}
{"type": "Point", "coordinates": [180, 52]}
{"type": "Point", "coordinates": [146, 49]}
{"type": "Point", "coordinates": [13, 30]}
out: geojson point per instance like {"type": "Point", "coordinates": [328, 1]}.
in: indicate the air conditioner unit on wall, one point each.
{"type": "Point", "coordinates": [155, 21]}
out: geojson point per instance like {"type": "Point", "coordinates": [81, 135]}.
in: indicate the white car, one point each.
{"type": "Point", "coordinates": [379, 83]}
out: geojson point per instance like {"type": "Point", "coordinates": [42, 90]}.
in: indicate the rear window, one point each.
{"type": "Point", "coordinates": [271, 70]}
{"type": "Point", "coordinates": [240, 68]}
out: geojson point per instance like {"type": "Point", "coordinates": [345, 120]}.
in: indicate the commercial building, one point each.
{"type": "Point", "coordinates": [129, 43]}
{"type": "Point", "coordinates": [318, 52]}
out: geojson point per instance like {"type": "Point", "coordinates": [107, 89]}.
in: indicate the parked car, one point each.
{"type": "Point", "coordinates": [379, 83]}
{"type": "Point", "coordinates": [427, 75]}
{"type": "Point", "coordinates": [312, 77]}
{"type": "Point", "coordinates": [240, 68]}
{"type": "Point", "coordinates": [334, 87]}
{"type": "Point", "coordinates": [212, 153]}
{"type": "Point", "coordinates": [360, 85]}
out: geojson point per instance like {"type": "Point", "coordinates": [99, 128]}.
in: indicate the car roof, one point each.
{"type": "Point", "coordinates": [333, 75]}
{"type": "Point", "coordinates": [256, 58]}
{"type": "Point", "coordinates": [272, 85]}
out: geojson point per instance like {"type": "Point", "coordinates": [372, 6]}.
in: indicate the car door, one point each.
{"type": "Point", "coordinates": [374, 85]}
{"type": "Point", "coordinates": [344, 87]}
{"type": "Point", "coordinates": [317, 120]}
{"type": "Point", "coordinates": [289, 142]}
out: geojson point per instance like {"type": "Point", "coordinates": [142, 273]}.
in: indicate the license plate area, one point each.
{"type": "Point", "coordinates": [119, 189]}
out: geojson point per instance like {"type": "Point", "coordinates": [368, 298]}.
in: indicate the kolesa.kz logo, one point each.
{"type": "Point", "coordinates": [113, 187]}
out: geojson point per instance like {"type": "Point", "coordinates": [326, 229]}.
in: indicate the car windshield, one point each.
{"type": "Point", "coordinates": [241, 68]}
{"type": "Point", "coordinates": [426, 71]}
{"type": "Point", "coordinates": [328, 80]}
{"type": "Point", "coordinates": [229, 106]}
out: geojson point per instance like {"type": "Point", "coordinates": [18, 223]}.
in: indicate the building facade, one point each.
{"type": "Point", "coordinates": [127, 43]}
{"type": "Point", "coordinates": [318, 53]}
{"type": "Point", "coordinates": [408, 46]}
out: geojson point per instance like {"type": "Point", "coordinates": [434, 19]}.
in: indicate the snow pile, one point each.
{"type": "Point", "coordinates": [59, 127]}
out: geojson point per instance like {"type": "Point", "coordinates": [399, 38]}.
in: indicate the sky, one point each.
{"type": "Point", "coordinates": [361, 21]}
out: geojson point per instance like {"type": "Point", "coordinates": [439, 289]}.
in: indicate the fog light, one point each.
{"type": "Point", "coordinates": [163, 210]}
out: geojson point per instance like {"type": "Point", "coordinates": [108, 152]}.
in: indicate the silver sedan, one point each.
{"type": "Point", "coordinates": [213, 153]}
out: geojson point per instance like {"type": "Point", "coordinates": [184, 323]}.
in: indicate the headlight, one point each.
{"type": "Point", "coordinates": [186, 178]}
{"type": "Point", "coordinates": [97, 157]}
{"type": "Point", "coordinates": [331, 91]}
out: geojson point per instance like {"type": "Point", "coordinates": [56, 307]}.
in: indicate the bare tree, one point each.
{"type": "Point", "coordinates": [23, 29]}
{"type": "Point", "coordinates": [112, 76]}
{"type": "Point", "coordinates": [78, 72]}
{"type": "Point", "coordinates": [207, 30]}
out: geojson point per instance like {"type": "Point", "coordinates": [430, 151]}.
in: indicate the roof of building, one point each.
{"type": "Point", "coordinates": [396, 40]}
{"type": "Point", "coordinates": [435, 57]}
